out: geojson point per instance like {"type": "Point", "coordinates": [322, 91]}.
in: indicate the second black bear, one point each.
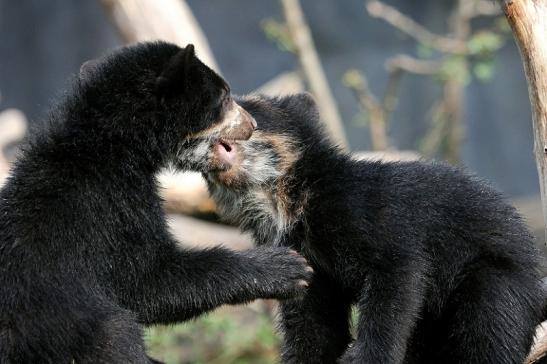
{"type": "Point", "coordinates": [85, 253]}
{"type": "Point", "coordinates": [440, 268]}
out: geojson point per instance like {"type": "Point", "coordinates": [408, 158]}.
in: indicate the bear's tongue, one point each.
{"type": "Point", "coordinates": [226, 151]}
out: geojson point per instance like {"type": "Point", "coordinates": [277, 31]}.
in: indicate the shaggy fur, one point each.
{"type": "Point", "coordinates": [85, 253]}
{"type": "Point", "coordinates": [440, 268]}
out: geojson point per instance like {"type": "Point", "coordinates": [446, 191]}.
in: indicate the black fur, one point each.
{"type": "Point", "coordinates": [439, 266]}
{"type": "Point", "coordinates": [85, 254]}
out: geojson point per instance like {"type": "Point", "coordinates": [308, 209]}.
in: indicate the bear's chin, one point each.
{"type": "Point", "coordinates": [230, 177]}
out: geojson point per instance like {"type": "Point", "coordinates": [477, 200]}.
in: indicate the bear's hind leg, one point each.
{"type": "Point", "coordinates": [117, 340]}
{"type": "Point", "coordinates": [490, 319]}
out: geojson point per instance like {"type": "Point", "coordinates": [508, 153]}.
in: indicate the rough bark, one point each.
{"type": "Point", "coordinates": [528, 20]}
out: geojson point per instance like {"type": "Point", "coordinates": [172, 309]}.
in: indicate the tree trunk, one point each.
{"type": "Point", "coordinates": [528, 19]}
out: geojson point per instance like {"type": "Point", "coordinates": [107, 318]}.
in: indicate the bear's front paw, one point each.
{"type": "Point", "coordinates": [280, 272]}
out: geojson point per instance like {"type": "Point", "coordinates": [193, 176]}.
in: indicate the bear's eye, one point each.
{"type": "Point", "coordinates": [226, 101]}
{"type": "Point", "coordinates": [219, 100]}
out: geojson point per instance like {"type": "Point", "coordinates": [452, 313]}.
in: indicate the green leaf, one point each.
{"type": "Point", "coordinates": [455, 68]}
{"type": "Point", "coordinates": [277, 33]}
{"type": "Point", "coordinates": [423, 51]}
{"type": "Point", "coordinates": [484, 70]}
{"type": "Point", "coordinates": [484, 43]}
{"type": "Point", "coordinates": [352, 78]}
{"type": "Point", "coordinates": [502, 25]}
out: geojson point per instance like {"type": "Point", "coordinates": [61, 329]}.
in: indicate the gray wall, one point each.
{"type": "Point", "coordinates": [42, 43]}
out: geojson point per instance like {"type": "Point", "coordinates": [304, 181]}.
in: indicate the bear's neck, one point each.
{"type": "Point", "coordinates": [94, 148]}
{"type": "Point", "coordinates": [272, 211]}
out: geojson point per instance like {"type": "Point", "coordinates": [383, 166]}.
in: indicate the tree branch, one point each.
{"type": "Point", "coordinates": [312, 69]}
{"type": "Point", "coordinates": [396, 67]}
{"type": "Point", "coordinates": [413, 65]}
{"type": "Point", "coordinates": [485, 8]}
{"type": "Point", "coordinates": [169, 20]}
{"type": "Point", "coordinates": [408, 26]}
{"type": "Point", "coordinates": [373, 109]}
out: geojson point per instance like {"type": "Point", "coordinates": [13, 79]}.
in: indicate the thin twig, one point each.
{"type": "Point", "coordinates": [397, 66]}
{"type": "Point", "coordinates": [372, 107]}
{"type": "Point", "coordinates": [408, 26]}
{"type": "Point", "coordinates": [413, 65]}
{"type": "Point", "coordinates": [437, 132]}
{"type": "Point", "coordinates": [483, 8]}
{"type": "Point", "coordinates": [390, 98]}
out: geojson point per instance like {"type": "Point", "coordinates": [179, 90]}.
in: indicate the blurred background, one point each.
{"type": "Point", "coordinates": [394, 79]}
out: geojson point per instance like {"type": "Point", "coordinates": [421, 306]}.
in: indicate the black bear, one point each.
{"type": "Point", "coordinates": [85, 253]}
{"type": "Point", "coordinates": [440, 268]}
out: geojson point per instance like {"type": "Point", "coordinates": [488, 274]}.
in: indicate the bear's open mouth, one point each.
{"type": "Point", "coordinates": [226, 152]}
{"type": "Point", "coordinates": [227, 147]}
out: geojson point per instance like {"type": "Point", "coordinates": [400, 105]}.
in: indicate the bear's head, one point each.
{"type": "Point", "coordinates": [260, 183]}
{"type": "Point", "coordinates": [287, 126]}
{"type": "Point", "coordinates": [155, 101]}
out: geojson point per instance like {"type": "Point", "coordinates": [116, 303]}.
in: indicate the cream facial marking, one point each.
{"type": "Point", "coordinates": [253, 193]}
{"type": "Point", "coordinates": [216, 146]}
{"type": "Point", "coordinates": [236, 124]}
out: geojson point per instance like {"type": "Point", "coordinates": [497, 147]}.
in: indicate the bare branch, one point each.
{"type": "Point", "coordinates": [408, 26]}
{"type": "Point", "coordinates": [437, 132]}
{"type": "Point", "coordinates": [413, 65]}
{"type": "Point", "coordinates": [486, 8]}
{"type": "Point", "coordinates": [312, 69]}
{"type": "Point", "coordinates": [390, 98]}
{"type": "Point", "coordinates": [379, 111]}
{"type": "Point", "coordinates": [396, 67]}
{"type": "Point", "coordinates": [373, 109]}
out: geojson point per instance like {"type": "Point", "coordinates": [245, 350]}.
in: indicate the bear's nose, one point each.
{"type": "Point", "coordinates": [246, 117]}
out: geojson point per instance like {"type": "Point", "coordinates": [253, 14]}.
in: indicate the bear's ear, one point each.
{"type": "Point", "coordinates": [304, 105]}
{"type": "Point", "coordinates": [175, 77]}
{"type": "Point", "coordinates": [87, 70]}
